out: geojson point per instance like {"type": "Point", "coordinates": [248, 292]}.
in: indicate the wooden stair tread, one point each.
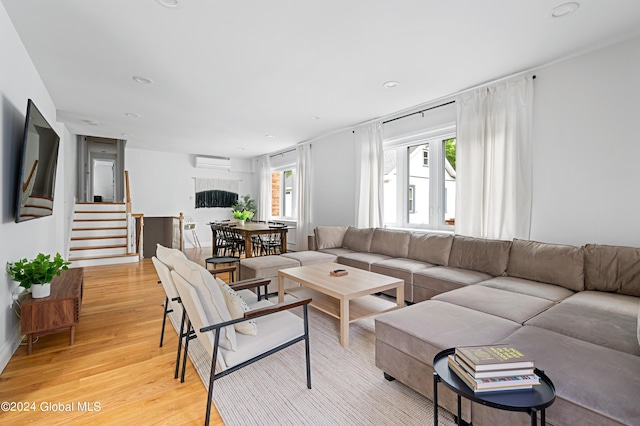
{"type": "Point", "coordinates": [98, 247]}
{"type": "Point", "coordinates": [100, 220]}
{"type": "Point", "coordinates": [99, 229]}
{"type": "Point", "coordinates": [71, 259]}
{"type": "Point", "coordinates": [99, 237]}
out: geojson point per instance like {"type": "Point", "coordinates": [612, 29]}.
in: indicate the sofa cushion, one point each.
{"type": "Point", "coordinates": [424, 329]}
{"type": "Point", "coordinates": [551, 292]}
{"type": "Point", "coordinates": [612, 268]}
{"type": "Point", "coordinates": [548, 263]}
{"type": "Point", "coordinates": [430, 248]}
{"type": "Point", "coordinates": [598, 326]}
{"type": "Point", "coordinates": [399, 268]}
{"type": "Point", "coordinates": [329, 236]}
{"type": "Point", "coordinates": [358, 239]}
{"type": "Point", "coordinates": [211, 298]}
{"type": "Point", "coordinates": [336, 251]}
{"type": "Point", "coordinates": [479, 254]}
{"type": "Point", "coordinates": [594, 385]}
{"type": "Point", "coordinates": [310, 257]}
{"type": "Point", "coordinates": [361, 260]}
{"type": "Point", "coordinates": [390, 242]}
{"type": "Point", "coordinates": [439, 279]}
{"type": "Point", "coordinates": [265, 266]}
{"type": "Point", "coordinates": [610, 302]}
{"type": "Point", "coordinates": [516, 307]}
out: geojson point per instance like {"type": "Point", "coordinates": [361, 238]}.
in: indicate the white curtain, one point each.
{"type": "Point", "coordinates": [303, 171]}
{"type": "Point", "coordinates": [494, 164]}
{"type": "Point", "coordinates": [264, 197]}
{"type": "Point", "coordinates": [369, 175]}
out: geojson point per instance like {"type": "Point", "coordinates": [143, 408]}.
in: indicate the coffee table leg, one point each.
{"type": "Point", "coordinates": [280, 288]}
{"type": "Point", "coordinates": [344, 322]}
{"type": "Point", "coordinates": [400, 296]}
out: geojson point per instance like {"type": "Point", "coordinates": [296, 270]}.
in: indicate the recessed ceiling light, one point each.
{"type": "Point", "coordinates": [314, 117]}
{"type": "Point", "coordinates": [142, 80]}
{"type": "Point", "coordinates": [92, 122]}
{"type": "Point", "coordinates": [269, 136]}
{"type": "Point", "coordinates": [390, 84]}
{"type": "Point", "coordinates": [564, 10]}
{"type": "Point", "coordinates": [171, 4]}
{"type": "Point", "coordinates": [126, 135]}
{"type": "Point", "coordinates": [132, 115]}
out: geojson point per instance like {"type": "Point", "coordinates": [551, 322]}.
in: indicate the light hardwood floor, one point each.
{"type": "Point", "coordinates": [115, 362]}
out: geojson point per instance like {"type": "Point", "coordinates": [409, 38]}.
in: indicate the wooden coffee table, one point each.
{"type": "Point", "coordinates": [348, 298]}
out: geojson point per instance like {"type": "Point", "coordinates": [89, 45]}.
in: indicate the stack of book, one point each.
{"type": "Point", "coordinates": [493, 368]}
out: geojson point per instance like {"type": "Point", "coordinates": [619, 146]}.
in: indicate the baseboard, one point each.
{"type": "Point", "coordinates": [9, 348]}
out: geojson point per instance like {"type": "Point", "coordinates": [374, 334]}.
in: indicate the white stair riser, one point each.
{"type": "Point", "coordinates": [119, 233]}
{"type": "Point", "coordinates": [100, 215]}
{"type": "Point", "coordinates": [100, 207]}
{"type": "Point", "coordinates": [98, 252]}
{"type": "Point", "coordinates": [99, 242]}
{"type": "Point", "coordinates": [100, 224]}
{"type": "Point", "coordinates": [106, 261]}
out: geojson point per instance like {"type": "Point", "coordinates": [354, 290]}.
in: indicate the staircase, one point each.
{"type": "Point", "coordinates": [99, 235]}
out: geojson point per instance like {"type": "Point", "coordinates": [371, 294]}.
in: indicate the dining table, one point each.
{"type": "Point", "coordinates": [248, 230]}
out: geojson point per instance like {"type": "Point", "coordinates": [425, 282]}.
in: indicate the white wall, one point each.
{"type": "Point", "coordinates": [162, 184]}
{"type": "Point", "coordinates": [586, 149]}
{"type": "Point", "coordinates": [19, 81]}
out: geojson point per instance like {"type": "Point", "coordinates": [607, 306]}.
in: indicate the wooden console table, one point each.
{"type": "Point", "coordinates": [57, 313]}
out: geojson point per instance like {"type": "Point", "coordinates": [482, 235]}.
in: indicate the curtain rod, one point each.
{"type": "Point", "coordinates": [419, 112]}
{"type": "Point", "coordinates": [425, 110]}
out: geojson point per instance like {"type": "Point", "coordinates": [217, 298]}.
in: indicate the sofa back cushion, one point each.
{"type": "Point", "coordinates": [479, 254]}
{"type": "Point", "coordinates": [612, 268]}
{"type": "Point", "coordinates": [358, 239]}
{"type": "Point", "coordinates": [548, 263]}
{"type": "Point", "coordinates": [389, 242]}
{"type": "Point", "coordinates": [329, 236]}
{"type": "Point", "coordinates": [430, 248]}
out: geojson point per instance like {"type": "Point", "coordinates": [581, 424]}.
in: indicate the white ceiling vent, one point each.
{"type": "Point", "coordinates": [223, 163]}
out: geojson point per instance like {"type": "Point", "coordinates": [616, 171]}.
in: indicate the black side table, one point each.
{"type": "Point", "coordinates": [529, 401]}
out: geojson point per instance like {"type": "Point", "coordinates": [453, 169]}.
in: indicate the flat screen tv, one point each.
{"type": "Point", "coordinates": [37, 172]}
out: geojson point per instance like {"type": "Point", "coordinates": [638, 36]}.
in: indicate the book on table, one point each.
{"type": "Point", "coordinates": [493, 358]}
{"type": "Point", "coordinates": [493, 373]}
{"type": "Point", "coordinates": [492, 384]}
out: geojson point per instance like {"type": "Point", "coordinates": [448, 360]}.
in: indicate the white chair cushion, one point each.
{"type": "Point", "coordinates": [237, 307]}
{"type": "Point", "coordinates": [169, 256]}
{"type": "Point", "coordinates": [164, 273]}
{"type": "Point", "coordinates": [211, 297]}
{"type": "Point", "coordinates": [275, 329]}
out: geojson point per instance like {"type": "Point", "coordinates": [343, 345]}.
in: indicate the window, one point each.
{"type": "Point", "coordinates": [283, 194]}
{"type": "Point", "coordinates": [420, 182]}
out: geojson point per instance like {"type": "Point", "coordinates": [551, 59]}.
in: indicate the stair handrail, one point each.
{"type": "Point", "coordinates": [127, 190]}
{"type": "Point", "coordinates": [139, 233]}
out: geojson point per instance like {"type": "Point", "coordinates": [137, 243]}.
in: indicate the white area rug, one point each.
{"type": "Point", "coordinates": [347, 387]}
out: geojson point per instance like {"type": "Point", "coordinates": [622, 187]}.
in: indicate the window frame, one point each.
{"type": "Point", "coordinates": [437, 198]}
{"type": "Point", "coordinates": [294, 198]}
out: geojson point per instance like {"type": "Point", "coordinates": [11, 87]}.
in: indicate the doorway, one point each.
{"type": "Point", "coordinates": [104, 179]}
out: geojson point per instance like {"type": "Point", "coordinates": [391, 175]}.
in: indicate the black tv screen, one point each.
{"type": "Point", "coordinates": [37, 172]}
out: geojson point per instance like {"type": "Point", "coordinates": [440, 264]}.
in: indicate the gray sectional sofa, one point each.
{"type": "Point", "coordinates": [575, 310]}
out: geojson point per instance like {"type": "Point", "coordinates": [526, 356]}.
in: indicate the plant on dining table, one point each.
{"type": "Point", "coordinates": [244, 208]}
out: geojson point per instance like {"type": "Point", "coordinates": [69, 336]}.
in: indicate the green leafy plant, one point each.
{"type": "Point", "coordinates": [244, 208]}
{"type": "Point", "coordinates": [40, 270]}
{"type": "Point", "coordinates": [243, 215]}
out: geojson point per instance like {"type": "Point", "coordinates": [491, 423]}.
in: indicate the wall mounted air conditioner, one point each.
{"type": "Point", "coordinates": [222, 163]}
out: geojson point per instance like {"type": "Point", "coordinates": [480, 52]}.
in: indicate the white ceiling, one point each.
{"type": "Point", "coordinates": [227, 73]}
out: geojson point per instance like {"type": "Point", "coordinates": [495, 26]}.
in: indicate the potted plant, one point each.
{"type": "Point", "coordinates": [244, 208]}
{"type": "Point", "coordinates": [38, 273]}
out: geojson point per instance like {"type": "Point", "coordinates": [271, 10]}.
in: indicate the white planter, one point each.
{"type": "Point", "coordinates": [39, 291]}
{"type": "Point", "coordinates": [241, 222]}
